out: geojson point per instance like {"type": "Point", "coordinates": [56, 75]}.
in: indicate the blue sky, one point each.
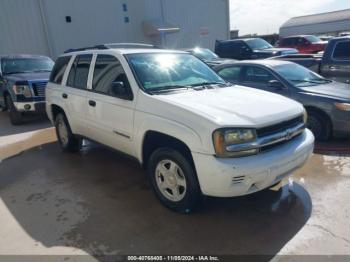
{"type": "Point", "coordinates": [266, 16]}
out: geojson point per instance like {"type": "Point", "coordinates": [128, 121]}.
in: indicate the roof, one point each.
{"type": "Point", "coordinates": [264, 62]}
{"type": "Point", "coordinates": [127, 51]}
{"type": "Point", "coordinates": [329, 17]}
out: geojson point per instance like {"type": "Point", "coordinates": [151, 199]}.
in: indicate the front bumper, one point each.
{"type": "Point", "coordinates": [228, 177]}
{"type": "Point", "coordinates": [34, 107]}
{"type": "Point", "coordinates": [341, 121]}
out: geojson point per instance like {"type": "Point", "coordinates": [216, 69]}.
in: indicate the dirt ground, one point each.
{"type": "Point", "coordinates": [99, 202]}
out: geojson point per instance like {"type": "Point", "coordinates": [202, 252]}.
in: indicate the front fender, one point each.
{"type": "Point", "coordinates": [167, 127]}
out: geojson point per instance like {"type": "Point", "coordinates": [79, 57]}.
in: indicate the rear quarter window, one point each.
{"type": "Point", "coordinates": [342, 51]}
{"type": "Point", "coordinates": [59, 68]}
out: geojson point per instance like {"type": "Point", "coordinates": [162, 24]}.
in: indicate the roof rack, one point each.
{"type": "Point", "coordinates": [111, 46]}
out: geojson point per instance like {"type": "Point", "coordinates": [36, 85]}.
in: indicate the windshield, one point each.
{"type": "Point", "coordinates": [165, 71]}
{"type": "Point", "coordinates": [26, 65]}
{"type": "Point", "coordinates": [299, 76]}
{"type": "Point", "coordinates": [204, 54]}
{"type": "Point", "coordinates": [313, 39]}
{"type": "Point", "coordinates": [258, 43]}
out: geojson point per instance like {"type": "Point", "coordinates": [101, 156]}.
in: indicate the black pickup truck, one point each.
{"type": "Point", "coordinates": [23, 79]}
{"type": "Point", "coordinates": [249, 48]}
{"type": "Point", "coordinates": [334, 63]}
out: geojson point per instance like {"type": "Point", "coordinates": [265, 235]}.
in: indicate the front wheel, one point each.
{"type": "Point", "coordinates": [173, 180]}
{"type": "Point", "coordinates": [319, 125]}
{"type": "Point", "coordinates": [16, 117]}
{"type": "Point", "coordinates": [67, 140]}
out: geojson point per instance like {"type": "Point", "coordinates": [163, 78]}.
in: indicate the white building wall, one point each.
{"type": "Point", "coordinates": [102, 21]}
{"type": "Point", "coordinates": [200, 23]}
{"type": "Point", "coordinates": [21, 28]}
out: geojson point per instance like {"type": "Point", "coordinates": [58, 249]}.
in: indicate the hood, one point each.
{"type": "Point", "coordinates": [333, 89]}
{"type": "Point", "coordinates": [321, 43]}
{"type": "Point", "coordinates": [28, 76]}
{"type": "Point", "coordinates": [275, 51]}
{"type": "Point", "coordinates": [219, 61]}
{"type": "Point", "coordinates": [236, 106]}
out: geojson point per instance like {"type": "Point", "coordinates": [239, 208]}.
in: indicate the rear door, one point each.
{"type": "Point", "coordinates": [110, 114]}
{"type": "Point", "coordinates": [75, 93]}
{"type": "Point", "coordinates": [337, 66]}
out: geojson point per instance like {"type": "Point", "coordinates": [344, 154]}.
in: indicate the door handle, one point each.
{"type": "Point", "coordinates": [92, 103]}
{"type": "Point", "coordinates": [334, 67]}
{"type": "Point", "coordinates": [64, 95]}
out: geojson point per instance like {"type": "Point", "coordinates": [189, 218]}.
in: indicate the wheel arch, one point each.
{"type": "Point", "coordinates": [153, 140]}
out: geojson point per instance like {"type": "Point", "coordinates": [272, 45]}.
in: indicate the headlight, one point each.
{"type": "Point", "coordinates": [343, 106]}
{"type": "Point", "coordinates": [22, 90]}
{"type": "Point", "coordinates": [305, 116]}
{"type": "Point", "coordinates": [223, 138]}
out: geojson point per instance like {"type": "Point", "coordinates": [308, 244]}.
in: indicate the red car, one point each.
{"type": "Point", "coordinates": [306, 44]}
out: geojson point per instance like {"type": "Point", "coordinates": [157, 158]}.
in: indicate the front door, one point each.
{"type": "Point", "coordinates": [338, 66]}
{"type": "Point", "coordinates": [110, 113]}
{"type": "Point", "coordinates": [260, 78]}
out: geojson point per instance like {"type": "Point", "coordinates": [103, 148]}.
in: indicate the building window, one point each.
{"type": "Point", "coordinates": [125, 7]}
{"type": "Point", "coordinates": [68, 19]}
{"type": "Point", "coordinates": [126, 19]}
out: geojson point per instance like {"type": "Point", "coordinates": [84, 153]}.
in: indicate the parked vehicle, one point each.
{"type": "Point", "coordinates": [208, 57]}
{"type": "Point", "coordinates": [305, 44]}
{"type": "Point", "coordinates": [193, 132]}
{"type": "Point", "coordinates": [334, 63]}
{"type": "Point", "coordinates": [325, 38]}
{"type": "Point", "coordinates": [327, 102]}
{"type": "Point", "coordinates": [249, 48]}
{"type": "Point", "coordinates": [22, 84]}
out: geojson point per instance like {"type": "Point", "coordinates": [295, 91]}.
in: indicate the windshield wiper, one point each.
{"type": "Point", "coordinates": [16, 72]}
{"type": "Point", "coordinates": [169, 88]}
{"type": "Point", "coordinates": [42, 70]}
{"type": "Point", "coordinates": [305, 81]}
{"type": "Point", "coordinates": [209, 83]}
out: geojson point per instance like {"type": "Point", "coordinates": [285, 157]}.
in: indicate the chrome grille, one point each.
{"type": "Point", "coordinates": [39, 88]}
{"type": "Point", "coordinates": [272, 136]}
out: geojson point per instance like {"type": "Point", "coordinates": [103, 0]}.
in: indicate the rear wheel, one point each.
{"type": "Point", "coordinates": [320, 126]}
{"type": "Point", "coordinates": [173, 180]}
{"type": "Point", "coordinates": [67, 140]}
{"type": "Point", "coordinates": [16, 117]}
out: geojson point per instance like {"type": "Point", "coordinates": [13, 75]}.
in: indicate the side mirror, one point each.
{"type": "Point", "coordinates": [275, 84]}
{"type": "Point", "coordinates": [120, 90]}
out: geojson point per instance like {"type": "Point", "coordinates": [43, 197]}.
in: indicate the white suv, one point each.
{"type": "Point", "coordinates": [193, 132]}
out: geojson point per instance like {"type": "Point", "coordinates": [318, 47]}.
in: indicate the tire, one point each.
{"type": "Point", "coordinates": [67, 140]}
{"type": "Point", "coordinates": [173, 180]}
{"type": "Point", "coordinates": [16, 117]}
{"type": "Point", "coordinates": [320, 126]}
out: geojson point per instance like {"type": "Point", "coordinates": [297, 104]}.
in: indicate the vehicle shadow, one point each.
{"type": "Point", "coordinates": [336, 146]}
{"type": "Point", "coordinates": [99, 201]}
{"type": "Point", "coordinates": [30, 123]}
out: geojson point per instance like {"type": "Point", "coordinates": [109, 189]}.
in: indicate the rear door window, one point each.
{"type": "Point", "coordinates": [79, 72]}
{"type": "Point", "coordinates": [231, 74]}
{"type": "Point", "coordinates": [59, 69]}
{"type": "Point", "coordinates": [342, 51]}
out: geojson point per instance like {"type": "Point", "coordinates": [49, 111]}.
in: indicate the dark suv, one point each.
{"type": "Point", "coordinates": [23, 80]}
{"type": "Point", "coordinates": [249, 48]}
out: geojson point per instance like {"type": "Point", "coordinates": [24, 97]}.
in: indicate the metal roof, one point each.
{"type": "Point", "coordinates": [329, 17]}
